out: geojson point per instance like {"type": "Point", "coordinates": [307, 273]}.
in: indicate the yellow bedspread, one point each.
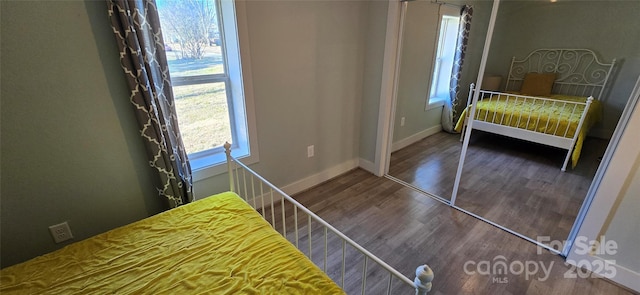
{"type": "Point", "coordinates": [539, 116]}
{"type": "Point", "coordinates": [217, 245]}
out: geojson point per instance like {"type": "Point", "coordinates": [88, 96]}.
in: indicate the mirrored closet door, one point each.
{"type": "Point", "coordinates": [518, 183]}
{"type": "Point", "coordinates": [515, 183]}
{"type": "Point", "coordinates": [425, 156]}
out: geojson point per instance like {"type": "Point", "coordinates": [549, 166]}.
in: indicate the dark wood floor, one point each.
{"type": "Point", "coordinates": [406, 228]}
{"type": "Point", "coordinates": [514, 183]}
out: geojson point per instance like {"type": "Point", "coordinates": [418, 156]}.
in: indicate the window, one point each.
{"type": "Point", "coordinates": [202, 49]}
{"type": "Point", "coordinates": [445, 52]}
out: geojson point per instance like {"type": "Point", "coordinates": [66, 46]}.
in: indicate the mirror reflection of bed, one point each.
{"type": "Point", "coordinates": [515, 183]}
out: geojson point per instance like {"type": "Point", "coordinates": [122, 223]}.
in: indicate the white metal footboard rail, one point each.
{"type": "Point", "coordinates": [267, 199]}
{"type": "Point", "coordinates": [531, 118]}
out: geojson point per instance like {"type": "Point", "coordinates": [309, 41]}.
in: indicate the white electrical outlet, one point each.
{"type": "Point", "coordinates": [60, 232]}
{"type": "Point", "coordinates": [401, 121]}
{"type": "Point", "coordinates": [310, 151]}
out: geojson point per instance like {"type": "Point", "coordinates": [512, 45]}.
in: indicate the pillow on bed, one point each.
{"type": "Point", "coordinates": [538, 83]}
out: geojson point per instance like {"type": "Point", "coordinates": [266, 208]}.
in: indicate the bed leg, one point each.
{"type": "Point", "coordinates": [464, 128]}
{"type": "Point", "coordinates": [424, 276]}
{"type": "Point", "coordinates": [566, 161]}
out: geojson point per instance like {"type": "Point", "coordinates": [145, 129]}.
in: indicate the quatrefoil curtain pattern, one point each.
{"type": "Point", "coordinates": [137, 30]}
{"type": "Point", "coordinates": [450, 112]}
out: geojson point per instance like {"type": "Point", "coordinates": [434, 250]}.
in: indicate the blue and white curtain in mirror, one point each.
{"type": "Point", "coordinates": [450, 112]}
{"type": "Point", "coordinates": [137, 30]}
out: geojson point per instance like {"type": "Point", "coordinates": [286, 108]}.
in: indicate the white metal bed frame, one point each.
{"type": "Point", "coordinates": [266, 198]}
{"type": "Point", "coordinates": [579, 73]}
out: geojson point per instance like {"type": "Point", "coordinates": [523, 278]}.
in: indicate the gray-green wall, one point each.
{"type": "Point", "coordinates": [374, 56]}
{"type": "Point", "coordinates": [70, 146]}
{"type": "Point", "coordinates": [307, 61]}
{"type": "Point", "coordinates": [610, 28]}
{"type": "Point", "coordinates": [416, 68]}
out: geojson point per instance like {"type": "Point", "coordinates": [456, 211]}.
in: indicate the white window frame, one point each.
{"type": "Point", "coordinates": [239, 91]}
{"type": "Point", "coordinates": [445, 12]}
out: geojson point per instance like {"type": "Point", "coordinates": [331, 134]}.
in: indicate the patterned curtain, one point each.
{"type": "Point", "coordinates": [136, 27]}
{"type": "Point", "coordinates": [450, 112]}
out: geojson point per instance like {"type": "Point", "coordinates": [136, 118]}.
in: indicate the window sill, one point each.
{"type": "Point", "coordinates": [216, 164]}
{"type": "Point", "coordinates": [435, 102]}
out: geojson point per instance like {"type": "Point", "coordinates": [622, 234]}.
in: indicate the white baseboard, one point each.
{"type": "Point", "coordinates": [320, 177]}
{"type": "Point", "coordinates": [264, 196]}
{"type": "Point", "coordinates": [407, 141]}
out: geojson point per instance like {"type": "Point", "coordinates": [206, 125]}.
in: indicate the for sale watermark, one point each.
{"type": "Point", "coordinates": [586, 268]}
{"type": "Point", "coordinates": [499, 268]}
{"type": "Point", "coordinates": [583, 245]}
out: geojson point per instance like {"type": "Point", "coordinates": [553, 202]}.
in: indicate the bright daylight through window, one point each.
{"type": "Point", "coordinates": [201, 44]}
{"type": "Point", "coordinates": [445, 53]}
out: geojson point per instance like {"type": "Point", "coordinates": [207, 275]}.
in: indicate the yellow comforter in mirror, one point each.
{"type": "Point", "coordinates": [554, 119]}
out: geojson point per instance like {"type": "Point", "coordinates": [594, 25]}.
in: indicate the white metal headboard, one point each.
{"type": "Point", "coordinates": [579, 71]}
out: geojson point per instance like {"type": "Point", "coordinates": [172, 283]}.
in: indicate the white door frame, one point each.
{"type": "Point", "coordinates": [389, 85]}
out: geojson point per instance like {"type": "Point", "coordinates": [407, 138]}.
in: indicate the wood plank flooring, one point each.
{"type": "Point", "coordinates": [514, 183]}
{"type": "Point", "coordinates": [406, 228]}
